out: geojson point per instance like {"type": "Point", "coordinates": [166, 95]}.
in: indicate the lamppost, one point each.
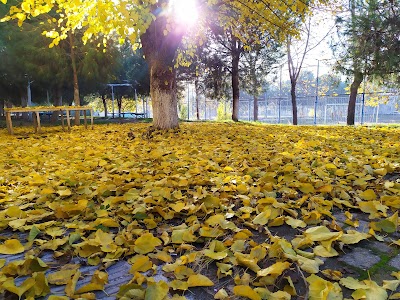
{"type": "Point", "coordinates": [280, 95]}
{"type": "Point", "coordinates": [28, 92]}
{"type": "Point", "coordinates": [316, 94]}
{"type": "Point", "coordinates": [29, 95]}
{"type": "Point", "coordinates": [188, 99]}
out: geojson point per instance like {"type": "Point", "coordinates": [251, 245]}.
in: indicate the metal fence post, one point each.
{"type": "Point", "coordinates": [316, 95]}
{"type": "Point", "coordinates": [248, 110]}
{"type": "Point", "coordinates": [362, 108]}
{"type": "Point", "coordinates": [266, 107]}
{"type": "Point", "coordinates": [188, 101]}
{"type": "Point", "coordinates": [205, 109]}
{"type": "Point", "coordinates": [279, 110]}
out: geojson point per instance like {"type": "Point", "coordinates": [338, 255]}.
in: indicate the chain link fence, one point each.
{"type": "Point", "coordinates": [370, 108]}
{"type": "Point", "coordinates": [382, 108]}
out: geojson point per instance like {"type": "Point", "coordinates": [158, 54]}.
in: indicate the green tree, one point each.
{"type": "Point", "coordinates": [330, 84]}
{"type": "Point", "coordinates": [255, 66]}
{"type": "Point", "coordinates": [297, 50]}
{"type": "Point", "coordinates": [25, 55]}
{"type": "Point", "coordinates": [369, 37]}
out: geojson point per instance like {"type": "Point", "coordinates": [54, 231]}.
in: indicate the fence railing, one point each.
{"type": "Point", "coordinates": [370, 108]}
{"type": "Point", "coordinates": [331, 109]}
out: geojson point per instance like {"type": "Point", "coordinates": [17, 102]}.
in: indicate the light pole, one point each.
{"type": "Point", "coordinates": [363, 103]}
{"type": "Point", "coordinates": [188, 101]}
{"type": "Point", "coordinates": [29, 95]}
{"type": "Point", "coordinates": [316, 95]}
{"type": "Point", "coordinates": [280, 96]}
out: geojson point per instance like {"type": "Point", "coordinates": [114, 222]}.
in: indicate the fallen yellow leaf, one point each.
{"type": "Point", "coordinates": [12, 246]}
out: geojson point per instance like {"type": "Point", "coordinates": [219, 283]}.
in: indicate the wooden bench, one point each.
{"type": "Point", "coordinates": [37, 110]}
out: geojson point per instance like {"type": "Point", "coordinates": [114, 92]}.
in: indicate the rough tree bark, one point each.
{"type": "Point", "coordinates": [351, 109]}
{"type": "Point", "coordinates": [235, 53]}
{"type": "Point", "coordinates": [160, 51]}
{"type": "Point", "coordinates": [77, 100]}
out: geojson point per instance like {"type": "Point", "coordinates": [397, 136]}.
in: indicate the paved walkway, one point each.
{"type": "Point", "coordinates": [367, 259]}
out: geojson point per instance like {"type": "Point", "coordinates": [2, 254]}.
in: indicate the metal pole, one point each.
{"type": "Point", "coordinates": [112, 100]}
{"type": "Point", "coordinates": [29, 93]}
{"type": "Point", "coordinates": [316, 96]}
{"type": "Point", "coordinates": [205, 108]}
{"type": "Point", "coordinates": [266, 105]}
{"type": "Point", "coordinates": [147, 107]}
{"type": "Point", "coordinates": [248, 110]}
{"type": "Point", "coordinates": [188, 100]}
{"type": "Point", "coordinates": [136, 101]}
{"type": "Point", "coordinates": [29, 96]}
{"type": "Point", "coordinates": [280, 95]}
{"type": "Point", "coordinates": [279, 110]}
{"type": "Point", "coordinates": [363, 104]}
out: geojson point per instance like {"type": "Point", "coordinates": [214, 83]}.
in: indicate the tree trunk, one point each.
{"type": "Point", "coordinates": [103, 98]}
{"type": "Point", "coordinates": [197, 88]}
{"type": "Point", "coordinates": [235, 52]}
{"type": "Point", "coordinates": [77, 100]}
{"type": "Point", "coordinates": [57, 102]}
{"type": "Point", "coordinates": [119, 103]}
{"type": "Point", "coordinates": [160, 51]}
{"type": "Point", "coordinates": [358, 76]}
{"type": "Point", "coordinates": [2, 103]}
{"type": "Point", "coordinates": [294, 101]}
{"type": "Point", "coordinates": [255, 108]}
{"type": "Point", "coordinates": [351, 110]}
{"type": "Point", "coordinates": [163, 96]}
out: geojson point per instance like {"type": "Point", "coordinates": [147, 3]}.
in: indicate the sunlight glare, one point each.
{"type": "Point", "coordinates": [185, 11]}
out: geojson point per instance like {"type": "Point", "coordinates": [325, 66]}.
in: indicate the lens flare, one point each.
{"type": "Point", "coordinates": [185, 11]}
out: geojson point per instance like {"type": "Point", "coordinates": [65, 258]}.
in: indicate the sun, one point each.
{"type": "Point", "coordinates": [185, 11]}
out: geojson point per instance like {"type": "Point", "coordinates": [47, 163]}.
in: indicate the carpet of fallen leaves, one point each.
{"type": "Point", "coordinates": [204, 197]}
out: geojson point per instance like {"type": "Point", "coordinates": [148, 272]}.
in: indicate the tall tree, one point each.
{"type": "Point", "coordinates": [161, 34]}
{"type": "Point", "coordinates": [194, 71]}
{"type": "Point", "coordinates": [297, 50]}
{"type": "Point", "coordinates": [25, 56]}
{"type": "Point", "coordinates": [256, 65]}
{"type": "Point", "coordinates": [369, 37]}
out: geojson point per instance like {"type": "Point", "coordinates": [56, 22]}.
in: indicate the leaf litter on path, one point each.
{"type": "Point", "coordinates": [231, 210]}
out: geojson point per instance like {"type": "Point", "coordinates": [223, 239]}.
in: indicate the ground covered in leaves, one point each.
{"type": "Point", "coordinates": [224, 211]}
